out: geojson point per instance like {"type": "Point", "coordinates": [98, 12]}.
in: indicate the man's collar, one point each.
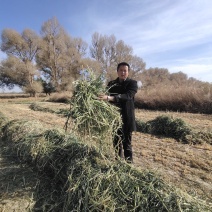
{"type": "Point", "coordinates": [117, 80]}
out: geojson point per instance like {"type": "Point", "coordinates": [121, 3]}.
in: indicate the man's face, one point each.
{"type": "Point", "coordinates": [123, 72]}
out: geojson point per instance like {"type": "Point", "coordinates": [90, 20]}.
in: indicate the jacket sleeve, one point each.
{"type": "Point", "coordinates": [131, 89]}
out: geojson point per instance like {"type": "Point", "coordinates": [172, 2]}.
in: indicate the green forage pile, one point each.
{"type": "Point", "coordinates": [91, 116]}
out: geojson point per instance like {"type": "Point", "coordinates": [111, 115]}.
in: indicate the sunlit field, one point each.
{"type": "Point", "coordinates": [185, 166]}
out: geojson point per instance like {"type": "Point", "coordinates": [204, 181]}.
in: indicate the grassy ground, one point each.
{"type": "Point", "coordinates": [188, 167]}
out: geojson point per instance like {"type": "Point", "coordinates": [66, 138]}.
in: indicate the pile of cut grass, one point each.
{"type": "Point", "coordinates": [199, 137]}
{"type": "Point", "coordinates": [62, 112]}
{"type": "Point", "coordinates": [3, 120]}
{"type": "Point", "coordinates": [174, 128]}
{"type": "Point", "coordinates": [165, 125]}
{"type": "Point", "coordinates": [97, 119]}
{"type": "Point", "coordinates": [77, 177]}
{"type": "Point", "coordinates": [36, 107]}
{"type": "Point", "coordinates": [63, 97]}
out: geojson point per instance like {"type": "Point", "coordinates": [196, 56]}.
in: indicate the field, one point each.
{"type": "Point", "coordinates": [188, 167]}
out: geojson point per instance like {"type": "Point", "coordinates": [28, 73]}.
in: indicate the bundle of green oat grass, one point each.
{"type": "Point", "coordinates": [77, 177]}
{"type": "Point", "coordinates": [92, 117]}
{"type": "Point", "coordinates": [174, 128]}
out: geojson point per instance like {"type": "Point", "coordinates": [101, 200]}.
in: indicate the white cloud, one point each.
{"type": "Point", "coordinates": [200, 69]}
{"type": "Point", "coordinates": [179, 30]}
{"type": "Point", "coordinates": [186, 23]}
{"type": "Point", "coordinates": [155, 26]}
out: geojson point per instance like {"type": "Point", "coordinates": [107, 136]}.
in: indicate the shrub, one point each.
{"type": "Point", "coordinates": [32, 89]}
{"type": "Point", "coordinates": [183, 98]}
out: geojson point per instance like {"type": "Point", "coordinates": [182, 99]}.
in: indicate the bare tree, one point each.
{"type": "Point", "coordinates": [80, 45]}
{"type": "Point", "coordinates": [60, 55]}
{"type": "Point", "coordinates": [12, 72]}
{"type": "Point", "coordinates": [19, 68]}
{"type": "Point", "coordinates": [153, 76]}
{"type": "Point", "coordinates": [123, 52]}
{"type": "Point", "coordinates": [178, 78]}
{"type": "Point", "coordinates": [137, 66]}
{"type": "Point", "coordinates": [23, 46]}
{"type": "Point", "coordinates": [97, 47]}
{"type": "Point", "coordinates": [109, 52]}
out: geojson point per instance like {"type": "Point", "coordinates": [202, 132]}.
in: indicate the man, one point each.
{"type": "Point", "coordinates": [122, 91]}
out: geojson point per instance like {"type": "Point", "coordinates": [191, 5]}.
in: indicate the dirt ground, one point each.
{"type": "Point", "coordinates": [188, 167]}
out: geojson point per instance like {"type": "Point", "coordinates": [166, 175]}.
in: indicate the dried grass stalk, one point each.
{"type": "Point", "coordinates": [77, 177]}
{"type": "Point", "coordinates": [92, 117]}
{"type": "Point", "coordinates": [3, 120]}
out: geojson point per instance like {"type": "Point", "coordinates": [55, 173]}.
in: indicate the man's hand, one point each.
{"type": "Point", "coordinates": [106, 98]}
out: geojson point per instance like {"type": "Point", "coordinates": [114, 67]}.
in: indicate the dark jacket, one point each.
{"type": "Point", "coordinates": [124, 94]}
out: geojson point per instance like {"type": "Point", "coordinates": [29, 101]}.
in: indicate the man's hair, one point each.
{"type": "Point", "coordinates": [123, 64]}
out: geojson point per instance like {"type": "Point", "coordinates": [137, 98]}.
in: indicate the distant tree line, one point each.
{"type": "Point", "coordinates": [57, 58]}
{"type": "Point", "coordinates": [52, 60]}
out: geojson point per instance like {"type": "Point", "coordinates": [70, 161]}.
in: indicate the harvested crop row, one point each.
{"type": "Point", "coordinates": [77, 177]}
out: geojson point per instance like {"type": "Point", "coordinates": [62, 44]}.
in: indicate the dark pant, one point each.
{"type": "Point", "coordinates": [122, 141]}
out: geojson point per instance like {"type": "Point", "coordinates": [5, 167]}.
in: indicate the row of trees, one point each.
{"type": "Point", "coordinates": [54, 59]}
{"type": "Point", "coordinates": [57, 58]}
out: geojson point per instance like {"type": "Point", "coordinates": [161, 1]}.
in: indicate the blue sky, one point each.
{"type": "Point", "coordinates": [176, 35]}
